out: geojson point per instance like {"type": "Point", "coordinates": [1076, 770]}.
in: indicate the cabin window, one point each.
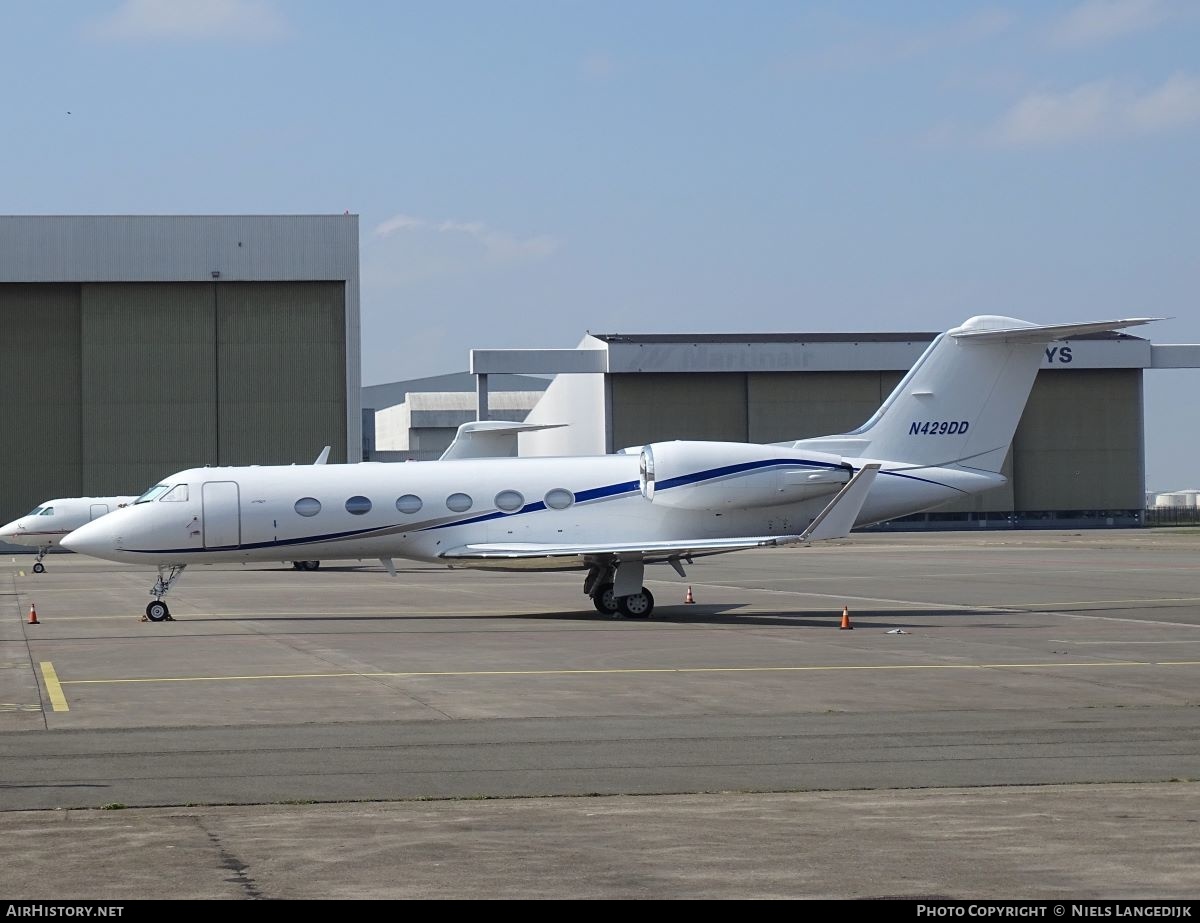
{"type": "Point", "coordinates": [308, 506]}
{"type": "Point", "coordinates": [153, 493]}
{"type": "Point", "coordinates": [409, 503]}
{"type": "Point", "coordinates": [559, 498]}
{"type": "Point", "coordinates": [177, 494]}
{"type": "Point", "coordinates": [47, 511]}
{"type": "Point", "coordinates": [459, 503]}
{"type": "Point", "coordinates": [509, 500]}
{"type": "Point", "coordinates": [357, 506]}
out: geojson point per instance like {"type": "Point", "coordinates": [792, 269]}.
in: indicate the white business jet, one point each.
{"type": "Point", "coordinates": [942, 434]}
{"type": "Point", "coordinates": [45, 526]}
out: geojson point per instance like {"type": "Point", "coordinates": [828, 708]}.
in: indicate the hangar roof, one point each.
{"type": "Point", "coordinates": [617, 353]}
{"type": "Point", "coordinates": [860, 337]}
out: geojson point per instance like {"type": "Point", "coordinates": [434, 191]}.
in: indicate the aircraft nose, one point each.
{"type": "Point", "coordinates": [94, 538]}
{"type": "Point", "coordinates": [10, 529]}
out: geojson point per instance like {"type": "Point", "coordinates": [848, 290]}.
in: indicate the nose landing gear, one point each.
{"type": "Point", "coordinates": [38, 566]}
{"type": "Point", "coordinates": [157, 611]}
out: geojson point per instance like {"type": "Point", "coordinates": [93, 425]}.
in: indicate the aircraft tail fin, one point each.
{"type": "Point", "coordinates": [961, 402]}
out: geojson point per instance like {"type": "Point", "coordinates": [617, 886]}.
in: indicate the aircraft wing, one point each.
{"type": "Point", "coordinates": [834, 521]}
{"type": "Point", "coordinates": [648, 551]}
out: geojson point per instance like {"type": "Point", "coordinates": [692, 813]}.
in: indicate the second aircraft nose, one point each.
{"type": "Point", "coordinates": [94, 538]}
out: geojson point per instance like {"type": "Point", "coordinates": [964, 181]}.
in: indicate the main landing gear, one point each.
{"type": "Point", "coordinates": [38, 566]}
{"type": "Point", "coordinates": [157, 611]}
{"type": "Point", "coordinates": [306, 565]}
{"type": "Point", "coordinates": [600, 587]}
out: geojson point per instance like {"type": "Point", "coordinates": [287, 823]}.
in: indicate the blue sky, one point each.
{"type": "Point", "coordinates": [526, 171]}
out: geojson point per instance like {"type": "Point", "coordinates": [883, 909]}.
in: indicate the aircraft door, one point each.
{"type": "Point", "coordinates": [222, 515]}
{"type": "Point", "coordinates": [98, 510]}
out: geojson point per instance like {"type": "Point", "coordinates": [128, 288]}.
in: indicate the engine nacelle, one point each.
{"type": "Point", "coordinates": [734, 475]}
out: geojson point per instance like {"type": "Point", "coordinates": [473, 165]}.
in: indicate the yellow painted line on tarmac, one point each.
{"type": "Point", "coordinates": [53, 687]}
{"type": "Point", "coordinates": [629, 670]}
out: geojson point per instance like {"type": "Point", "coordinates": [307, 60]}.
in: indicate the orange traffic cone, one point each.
{"type": "Point", "coordinates": [33, 614]}
{"type": "Point", "coordinates": [689, 599]}
{"type": "Point", "coordinates": [846, 626]}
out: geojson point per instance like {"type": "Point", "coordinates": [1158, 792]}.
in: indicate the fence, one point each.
{"type": "Point", "coordinates": [1173, 516]}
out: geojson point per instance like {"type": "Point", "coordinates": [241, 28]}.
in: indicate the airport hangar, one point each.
{"type": "Point", "coordinates": [1077, 459]}
{"type": "Point", "coordinates": [133, 346]}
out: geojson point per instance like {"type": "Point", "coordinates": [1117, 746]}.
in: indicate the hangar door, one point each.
{"type": "Point", "coordinates": [222, 515]}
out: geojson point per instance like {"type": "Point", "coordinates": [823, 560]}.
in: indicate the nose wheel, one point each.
{"type": "Point", "coordinates": [157, 611]}
{"type": "Point", "coordinates": [38, 566]}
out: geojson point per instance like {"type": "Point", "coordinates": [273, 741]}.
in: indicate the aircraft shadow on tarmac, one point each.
{"type": "Point", "coordinates": [356, 569]}
{"type": "Point", "coordinates": [698, 614]}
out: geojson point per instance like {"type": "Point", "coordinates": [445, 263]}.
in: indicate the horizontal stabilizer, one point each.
{"type": "Point", "coordinates": [490, 439]}
{"type": "Point", "coordinates": [1046, 333]}
{"type": "Point", "coordinates": [837, 519]}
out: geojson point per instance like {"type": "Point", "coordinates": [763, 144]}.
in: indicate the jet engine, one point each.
{"type": "Point", "coordinates": [734, 475]}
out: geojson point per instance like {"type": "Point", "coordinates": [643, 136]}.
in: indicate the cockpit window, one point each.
{"type": "Point", "coordinates": [153, 493]}
{"type": "Point", "coordinates": [47, 511]}
{"type": "Point", "coordinates": [34, 512]}
{"type": "Point", "coordinates": [177, 494]}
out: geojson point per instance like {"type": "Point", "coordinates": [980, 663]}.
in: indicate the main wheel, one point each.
{"type": "Point", "coordinates": [309, 565]}
{"type": "Point", "coordinates": [157, 611]}
{"type": "Point", "coordinates": [39, 568]}
{"type": "Point", "coordinates": [603, 599]}
{"type": "Point", "coordinates": [296, 565]}
{"type": "Point", "coordinates": [637, 605]}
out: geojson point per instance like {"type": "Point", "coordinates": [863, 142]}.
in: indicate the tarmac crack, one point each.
{"type": "Point", "coordinates": [41, 705]}
{"type": "Point", "coordinates": [239, 875]}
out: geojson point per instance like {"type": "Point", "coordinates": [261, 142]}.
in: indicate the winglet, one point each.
{"type": "Point", "coordinates": [323, 457]}
{"type": "Point", "coordinates": [837, 519]}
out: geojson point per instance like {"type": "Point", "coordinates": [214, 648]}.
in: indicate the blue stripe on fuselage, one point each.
{"type": "Point", "coordinates": [913, 477]}
{"type": "Point", "coordinates": [592, 494]}
{"type": "Point", "coordinates": [726, 470]}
